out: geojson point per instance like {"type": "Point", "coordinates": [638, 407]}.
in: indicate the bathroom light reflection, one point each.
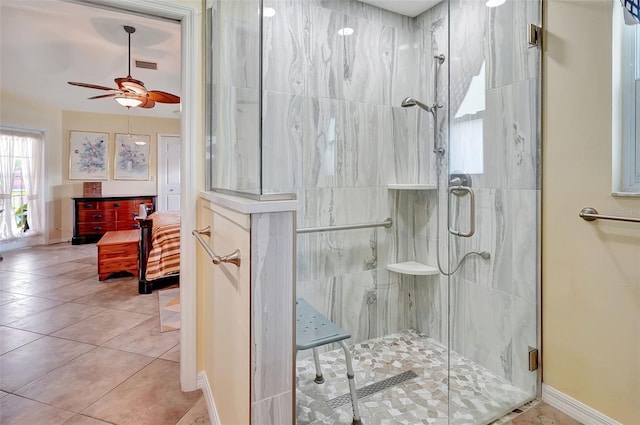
{"type": "Point", "coordinates": [494, 3]}
{"type": "Point", "coordinates": [345, 31]}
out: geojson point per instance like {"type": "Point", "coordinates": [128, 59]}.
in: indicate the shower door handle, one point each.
{"type": "Point", "coordinates": [461, 191]}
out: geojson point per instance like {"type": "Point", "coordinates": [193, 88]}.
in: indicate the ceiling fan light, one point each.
{"type": "Point", "coordinates": [135, 87]}
{"type": "Point", "coordinates": [127, 101]}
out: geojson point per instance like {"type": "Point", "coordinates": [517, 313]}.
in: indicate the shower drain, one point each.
{"type": "Point", "coordinates": [372, 388]}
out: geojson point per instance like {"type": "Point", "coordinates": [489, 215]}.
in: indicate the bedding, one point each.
{"type": "Point", "coordinates": [164, 258]}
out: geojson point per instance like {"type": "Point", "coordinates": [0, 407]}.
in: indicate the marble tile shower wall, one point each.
{"type": "Point", "coordinates": [493, 303]}
{"type": "Point", "coordinates": [234, 141]}
{"type": "Point", "coordinates": [333, 133]}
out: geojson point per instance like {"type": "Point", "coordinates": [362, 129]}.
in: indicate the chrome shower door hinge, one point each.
{"type": "Point", "coordinates": [535, 35]}
{"type": "Point", "coordinates": [533, 359]}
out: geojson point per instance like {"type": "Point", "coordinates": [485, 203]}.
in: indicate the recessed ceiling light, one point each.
{"type": "Point", "coordinates": [345, 31]}
{"type": "Point", "coordinates": [494, 3]}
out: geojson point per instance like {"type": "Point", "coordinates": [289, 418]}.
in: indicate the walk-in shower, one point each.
{"type": "Point", "coordinates": [441, 324]}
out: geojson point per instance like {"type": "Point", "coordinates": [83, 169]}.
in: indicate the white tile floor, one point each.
{"type": "Point", "coordinates": [476, 395]}
{"type": "Point", "coordinates": [77, 351]}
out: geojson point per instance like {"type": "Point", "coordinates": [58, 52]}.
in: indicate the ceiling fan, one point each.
{"type": "Point", "coordinates": [131, 92]}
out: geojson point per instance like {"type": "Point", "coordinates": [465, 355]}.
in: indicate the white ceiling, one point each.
{"type": "Point", "coordinates": [45, 43]}
{"type": "Point", "coordinates": [410, 8]}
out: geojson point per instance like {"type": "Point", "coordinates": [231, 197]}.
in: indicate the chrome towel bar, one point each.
{"type": "Point", "coordinates": [387, 223]}
{"type": "Point", "coordinates": [590, 214]}
{"type": "Point", "coordinates": [233, 258]}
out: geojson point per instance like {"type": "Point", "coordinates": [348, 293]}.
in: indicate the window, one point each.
{"type": "Point", "coordinates": [626, 85]}
{"type": "Point", "coordinates": [20, 183]}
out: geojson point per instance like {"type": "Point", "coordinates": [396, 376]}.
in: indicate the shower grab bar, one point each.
{"type": "Point", "coordinates": [233, 258]}
{"type": "Point", "coordinates": [472, 213]}
{"type": "Point", "coordinates": [590, 214]}
{"type": "Point", "coordinates": [387, 223]}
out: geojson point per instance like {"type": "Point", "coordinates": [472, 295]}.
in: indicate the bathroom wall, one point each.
{"type": "Point", "coordinates": [233, 150]}
{"type": "Point", "coordinates": [591, 271]}
{"type": "Point", "coordinates": [334, 134]}
{"type": "Point", "coordinates": [493, 303]}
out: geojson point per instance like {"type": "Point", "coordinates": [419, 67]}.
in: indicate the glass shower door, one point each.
{"type": "Point", "coordinates": [492, 193]}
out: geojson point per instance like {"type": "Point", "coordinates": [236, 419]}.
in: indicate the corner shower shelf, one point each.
{"type": "Point", "coordinates": [413, 268]}
{"type": "Point", "coordinates": [401, 186]}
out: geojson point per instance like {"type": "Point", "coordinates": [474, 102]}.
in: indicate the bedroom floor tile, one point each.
{"type": "Point", "coordinates": [72, 291]}
{"type": "Point", "coordinates": [56, 318]}
{"type": "Point", "coordinates": [145, 339]}
{"type": "Point", "coordinates": [157, 384]}
{"type": "Point", "coordinates": [173, 354]}
{"type": "Point", "coordinates": [197, 415]}
{"type": "Point", "coordinates": [25, 307]}
{"type": "Point", "coordinates": [16, 410]}
{"type": "Point", "coordinates": [102, 327]}
{"type": "Point", "coordinates": [84, 420]}
{"type": "Point", "coordinates": [38, 285]}
{"type": "Point", "coordinates": [9, 297]}
{"type": "Point", "coordinates": [82, 381]}
{"type": "Point", "coordinates": [10, 338]}
{"type": "Point", "coordinates": [24, 364]}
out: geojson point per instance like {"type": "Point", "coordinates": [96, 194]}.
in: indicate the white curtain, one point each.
{"type": "Point", "coordinates": [8, 227]}
{"type": "Point", "coordinates": [30, 153]}
{"type": "Point", "coordinates": [27, 147]}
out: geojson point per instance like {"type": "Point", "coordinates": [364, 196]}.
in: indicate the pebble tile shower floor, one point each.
{"type": "Point", "coordinates": [477, 395]}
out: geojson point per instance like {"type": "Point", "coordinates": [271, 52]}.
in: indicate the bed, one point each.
{"type": "Point", "coordinates": [159, 261]}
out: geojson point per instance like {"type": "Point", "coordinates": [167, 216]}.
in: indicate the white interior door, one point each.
{"type": "Point", "coordinates": [168, 172]}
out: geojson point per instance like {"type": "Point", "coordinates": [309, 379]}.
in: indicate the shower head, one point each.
{"type": "Point", "coordinates": [409, 101]}
{"type": "Point", "coordinates": [485, 255]}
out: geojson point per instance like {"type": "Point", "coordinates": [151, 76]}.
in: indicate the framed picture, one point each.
{"type": "Point", "coordinates": [88, 158]}
{"type": "Point", "coordinates": [132, 157]}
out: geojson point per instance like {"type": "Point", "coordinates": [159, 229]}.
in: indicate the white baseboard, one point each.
{"type": "Point", "coordinates": [572, 407]}
{"type": "Point", "coordinates": [203, 384]}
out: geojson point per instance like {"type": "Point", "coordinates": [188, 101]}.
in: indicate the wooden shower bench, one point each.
{"type": "Point", "coordinates": [118, 252]}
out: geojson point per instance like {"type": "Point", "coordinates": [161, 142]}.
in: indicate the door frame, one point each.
{"type": "Point", "coordinates": [160, 153]}
{"type": "Point", "coordinates": [188, 14]}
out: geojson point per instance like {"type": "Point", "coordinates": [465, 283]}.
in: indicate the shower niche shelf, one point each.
{"type": "Point", "coordinates": [413, 268]}
{"type": "Point", "coordinates": [403, 186]}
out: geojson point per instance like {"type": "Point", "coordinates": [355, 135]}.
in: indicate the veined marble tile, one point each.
{"type": "Point", "coordinates": [408, 57]}
{"type": "Point", "coordinates": [401, 152]}
{"type": "Point", "coordinates": [526, 59]}
{"type": "Point", "coordinates": [273, 287]}
{"type": "Point", "coordinates": [239, 32]}
{"type": "Point", "coordinates": [282, 141]}
{"type": "Point", "coordinates": [494, 233]}
{"type": "Point", "coordinates": [349, 301]}
{"type": "Point", "coordinates": [349, 205]}
{"type": "Point", "coordinates": [431, 301]}
{"type": "Point", "coordinates": [236, 150]}
{"type": "Point", "coordinates": [497, 133]}
{"type": "Point", "coordinates": [524, 321]}
{"type": "Point", "coordinates": [499, 44]}
{"type": "Point", "coordinates": [363, 128]}
{"type": "Point", "coordinates": [523, 147]}
{"type": "Point", "coordinates": [284, 47]}
{"type": "Point", "coordinates": [488, 330]}
{"type": "Point", "coordinates": [524, 205]}
{"type": "Point", "coordinates": [323, 126]}
{"type": "Point", "coordinates": [337, 253]}
{"type": "Point", "coordinates": [326, 53]}
{"type": "Point", "coordinates": [369, 61]}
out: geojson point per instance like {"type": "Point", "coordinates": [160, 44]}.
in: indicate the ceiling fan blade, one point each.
{"type": "Point", "coordinates": [104, 95]}
{"type": "Point", "coordinates": [163, 97]}
{"type": "Point", "coordinates": [91, 86]}
{"type": "Point", "coordinates": [146, 103]}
